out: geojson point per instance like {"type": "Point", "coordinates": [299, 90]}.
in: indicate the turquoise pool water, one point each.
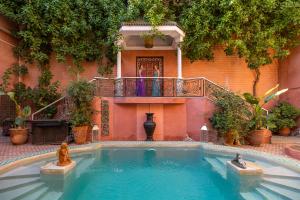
{"type": "Point", "coordinates": [149, 174]}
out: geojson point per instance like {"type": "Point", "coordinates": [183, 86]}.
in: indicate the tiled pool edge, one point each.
{"type": "Point", "coordinates": [10, 164]}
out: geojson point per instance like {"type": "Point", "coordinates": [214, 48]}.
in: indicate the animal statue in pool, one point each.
{"type": "Point", "coordinates": [239, 162]}
{"type": "Point", "coordinates": [63, 155]}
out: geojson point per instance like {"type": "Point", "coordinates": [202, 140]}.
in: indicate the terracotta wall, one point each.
{"type": "Point", "coordinates": [289, 77]}
{"type": "Point", "coordinates": [174, 121]}
{"type": "Point", "coordinates": [228, 71]}
{"type": "Point", "coordinates": [7, 43]}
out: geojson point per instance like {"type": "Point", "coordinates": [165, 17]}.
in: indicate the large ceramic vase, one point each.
{"type": "Point", "coordinates": [284, 131]}
{"type": "Point", "coordinates": [258, 137]}
{"type": "Point", "coordinates": [228, 138]}
{"type": "Point", "coordinates": [18, 135]}
{"type": "Point", "coordinates": [149, 126]}
{"type": "Point", "coordinates": [80, 134]}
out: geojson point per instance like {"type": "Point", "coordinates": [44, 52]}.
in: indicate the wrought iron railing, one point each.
{"type": "Point", "coordinates": [131, 87]}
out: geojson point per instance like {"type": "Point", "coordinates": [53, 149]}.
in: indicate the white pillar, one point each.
{"type": "Point", "coordinates": [179, 63]}
{"type": "Point", "coordinates": [119, 67]}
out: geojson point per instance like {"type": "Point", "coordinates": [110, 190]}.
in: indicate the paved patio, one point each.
{"type": "Point", "coordinates": [9, 151]}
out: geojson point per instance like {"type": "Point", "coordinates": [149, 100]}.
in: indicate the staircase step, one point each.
{"type": "Point", "coordinates": [11, 194]}
{"type": "Point", "coordinates": [253, 195]}
{"type": "Point", "coordinates": [7, 185]}
{"type": "Point", "coordinates": [280, 172]}
{"type": "Point", "coordinates": [289, 194]}
{"type": "Point", "coordinates": [32, 194]}
{"type": "Point", "coordinates": [270, 195]}
{"type": "Point", "coordinates": [289, 183]}
{"type": "Point", "coordinates": [51, 195]}
{"type": "Point", "coordinates": [223, 160]}
{"type": "Point", "coordinates": [217, 166]}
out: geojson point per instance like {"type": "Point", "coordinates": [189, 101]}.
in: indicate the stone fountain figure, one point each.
{"type": "Point", "coordinates": [239, 162]}
{"type": "Point", "coordinates": [63, 155]}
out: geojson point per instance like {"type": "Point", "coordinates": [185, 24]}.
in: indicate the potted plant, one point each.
{"type": "Point", "coordinates": [258, 123]}
{"type": "Point", "coordinates": [19, 133]}
{"type": "Point", "coordinates": [149, 37]}
{"type": "Point", "coordinates": [231, 117]}
{"type": "Point", "coordinates": [81, 94]}
{"type": "Point", "coordinates": [283, 117]}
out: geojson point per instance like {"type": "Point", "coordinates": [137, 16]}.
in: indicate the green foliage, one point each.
{"type": "Point", "coordinates": [232, 114]}
{"type": "Point", "coordinates": [283, 115]}
{"type": "Point", "coordinates": [22, 93]}
{"type": "Point", "coordinates": [81, 92]}
{"type": "Point", "coordinates": [19, 70]}
{"type": "Point", "coordinates": [5, 80]}
{"type": "Point", "coordinates": [45, 93]}
{"type": "Point", "coordinates": [248, 28]}
{"type": "Point", "coordinates": [259, 115]}
{"type": "Point", "coordinates": [22, 113]}
{"type": "Point", "coordinates": [87, 30]}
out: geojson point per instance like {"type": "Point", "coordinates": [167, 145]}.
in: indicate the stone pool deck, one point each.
{"type": "Point", "coordinates": [9, 151]}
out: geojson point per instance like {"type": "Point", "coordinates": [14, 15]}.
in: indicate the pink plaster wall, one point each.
{"type": "Point", "coordinates": [289, 77]}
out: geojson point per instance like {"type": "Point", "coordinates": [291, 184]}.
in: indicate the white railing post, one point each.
{"type": "Point", "coordinates": [179, 63]}
{"type": "Point", "coordinates": [119, 65]}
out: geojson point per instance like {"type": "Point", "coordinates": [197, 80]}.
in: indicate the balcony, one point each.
{"type": "Point", "coordinates": [154, 87]}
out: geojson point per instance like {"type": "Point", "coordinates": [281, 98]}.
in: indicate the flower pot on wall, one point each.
{"type": "Point", "coordinates": [149, 126]}
{"type": "Point", "coordinates": [148, 42]}
{"type": "Point", "coordinates": [80, 134]}
{"type": "Point", "coordinates": [18, 135]}
{"type": "Point", "coordinates": [258, 137]}
{"type": "Point", "coordinates": [284, 131]}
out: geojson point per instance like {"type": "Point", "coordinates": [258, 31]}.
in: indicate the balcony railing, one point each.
{"type": "Point", "coordinates": [154, 87]}
{"type": "Point", "coordinates": [138, 87]}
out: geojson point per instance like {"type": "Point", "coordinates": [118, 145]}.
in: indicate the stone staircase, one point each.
{"type": "Point", "coordinates": [277, 183]}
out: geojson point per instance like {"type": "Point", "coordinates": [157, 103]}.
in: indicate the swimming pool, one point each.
{"type": "Point", "coordinates": [148, 174]}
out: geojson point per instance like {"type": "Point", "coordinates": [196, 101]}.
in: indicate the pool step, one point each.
{"type": "Point", "coordinates": [9, 185]}
{"type": "Point", "coordinates": [12, 194]}
{"type": "Point", "coordinates": [217, 166]}
{"type": "Point", "coordinates": [82, 165]}
{"type": "Point", "coordinates": [253, 195]}
{"type": "Point", "coordinates": [51, 195]}
{"type": "Point", "coordinates": [267, 194]}
{"type": "Point", "coordinates": [280, 172]}
{"type": "Point", "coordinates": [284, 182]}
{"type": "Point", "coordinates": [223, 160]}
{"type": "Point", "coordinates": [32, 194]}
{"type": "Point", "coordinates": [279, 190]}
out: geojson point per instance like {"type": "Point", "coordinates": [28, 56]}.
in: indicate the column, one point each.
{"type": "Point", "coordinates": [119, 67]}
{"type": "Point", "coordinates": [179, 63]}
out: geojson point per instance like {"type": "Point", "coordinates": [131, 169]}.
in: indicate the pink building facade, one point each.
{"type": "Point", "coordinates": [183, 105]}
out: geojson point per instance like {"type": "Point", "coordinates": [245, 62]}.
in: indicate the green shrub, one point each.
{"type": "Point", "coordinates": [81, 92]}
{"type": "Point", "coordinates": [283, 116]}
{"type": "Point", "coordinates": [232, 114]}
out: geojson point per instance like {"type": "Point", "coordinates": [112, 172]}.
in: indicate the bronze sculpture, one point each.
{"type": "Point", "coordinates": [63, 155]}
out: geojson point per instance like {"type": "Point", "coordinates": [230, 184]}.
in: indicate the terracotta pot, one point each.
{"type": "Point", "coordinates": [258, 137]}
{"type": "Point", "coordinates": [18, 135]}
{"type": "Point", "coordinates": [285, 131]}
{"type": "Point", "coordinates": [229, 139]}
{"type": "Point", "coordinates": [148, 42]}
{"type": "Point", "coordinates": [80, 134]}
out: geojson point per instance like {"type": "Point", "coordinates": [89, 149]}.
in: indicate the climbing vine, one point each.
{"type": "Point", "coordinates": [86, 30]}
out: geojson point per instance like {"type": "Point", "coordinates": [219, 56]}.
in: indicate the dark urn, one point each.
{"type": "Point", "coordinates": [149, 126]}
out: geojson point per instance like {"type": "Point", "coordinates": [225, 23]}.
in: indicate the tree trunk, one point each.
{"type": "Point", "coordinates": [256, 80]}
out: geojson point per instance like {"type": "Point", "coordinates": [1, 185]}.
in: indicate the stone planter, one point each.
{"type": "Point", "coordinates": [284, 131]}
{"type": "Point", "coordinates": [258, 137]}
{"type": "Point", "coordinates": [18, 135]}
{"type": "Point", "coordinates": [149, 126]}
{"type": "Point", "coordinates": [80, 134]}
